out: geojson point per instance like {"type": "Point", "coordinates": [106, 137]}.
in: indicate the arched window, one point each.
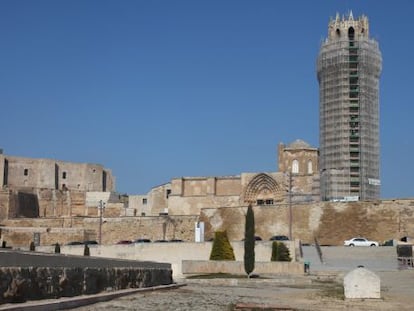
{"type": "Point", "coordinates": [338, 32]}
{"type": "Point", "coordinates": [351, 33]}
{"type": "Point", "coordinates": [310, 167]}
{"type": "Point", "coordinates": [295, 166]}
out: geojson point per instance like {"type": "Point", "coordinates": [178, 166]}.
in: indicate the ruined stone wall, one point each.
{"type": "Point", "coordinates": [25, 173]}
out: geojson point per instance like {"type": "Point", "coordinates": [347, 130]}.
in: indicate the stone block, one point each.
{"type": "Point", "coordinates": [362, 283]}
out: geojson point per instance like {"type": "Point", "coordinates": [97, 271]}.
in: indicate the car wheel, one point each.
{"type": "Point", "coordinates": [373, 244]}
{"type": "Point", "coordinates": [351, 245]}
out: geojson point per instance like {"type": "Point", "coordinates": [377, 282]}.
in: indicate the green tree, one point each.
{"type": "Point", "coordinates": [222, 249]}
{"type": "Point", "coordinates": [249, 242]}
{"type": "Point", "coordinates": [280, 252]}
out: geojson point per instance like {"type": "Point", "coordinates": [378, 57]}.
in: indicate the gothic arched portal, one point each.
{"type": "Point", "coordinates": [263, 190]}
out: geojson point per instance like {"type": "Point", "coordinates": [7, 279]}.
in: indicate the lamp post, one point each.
{"type": "Point", "coordinates": [101, 208]}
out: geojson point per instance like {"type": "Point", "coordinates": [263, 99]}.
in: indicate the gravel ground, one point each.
{"type": "Point", "coordinates": [323, 293]}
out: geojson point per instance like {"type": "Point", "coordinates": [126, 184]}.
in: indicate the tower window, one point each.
{"type": "Point", "coordinates": [310, 167]}
{"type": "Point", "coordinates": [295, 166]}
{"type": "Point", "coordinates": [168, 192]}
{"type": "Point", "coordinates": [64, 175]}
{"type": "Point", "coordinates": [338, 32]}
{"type": "Point", "coordinates": [144, 201]}
{"type": "Point", "coordinates": [351, 33]}
{"type": "Point", "coordinates": [26, 172]}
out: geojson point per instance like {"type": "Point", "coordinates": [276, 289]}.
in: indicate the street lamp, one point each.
{"type": "Point", "coordinates": [101, 208]}
{"type": "Point", "coordinates": [289, 175]}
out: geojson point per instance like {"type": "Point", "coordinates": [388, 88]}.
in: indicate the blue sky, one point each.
{"type": "Point", "coordinates": [160, 89]}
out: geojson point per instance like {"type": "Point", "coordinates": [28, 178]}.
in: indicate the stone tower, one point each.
{"type": "Point", "coordinates": [348, 69]}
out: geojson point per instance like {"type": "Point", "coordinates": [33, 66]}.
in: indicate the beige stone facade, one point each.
{"type": "Point", "coordinates": [330, 222]}
{"type": "Point", "coordinates": [297, 180]}
{"type": "Point", "coordinates": [25, 173]}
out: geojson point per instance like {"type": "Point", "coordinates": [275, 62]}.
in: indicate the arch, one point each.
{"type": "Point", "coordinates": [338, 32]}
{"type": "Point", "coordinates": [264, 188]}
{"type": "Point", "coordinates": [351, 33]}
{"type": "Point", "coordinates": [295, 166]}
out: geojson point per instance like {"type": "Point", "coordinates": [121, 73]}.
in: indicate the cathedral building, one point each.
{"type": "Point", "coordinates": [296, 181]}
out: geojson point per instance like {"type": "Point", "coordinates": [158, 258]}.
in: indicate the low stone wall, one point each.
{"type": "Point", "coordinates": [34, 283]}
{"type": "Point", "coordinates": [237, 267]}
{"type": "Point", "coordinates": [54, 276]}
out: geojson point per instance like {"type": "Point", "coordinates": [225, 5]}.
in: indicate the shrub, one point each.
{"type": "Point", "coordinates": [222, 249]}
{"type": "Point", "coordinates": [249, 242]}
{"type": "Point", "coordinates": [86, 251]}
{"type": "Point", "coordinates": [57, 248]}
{"type": "Point", "coordinates": [280, 252]}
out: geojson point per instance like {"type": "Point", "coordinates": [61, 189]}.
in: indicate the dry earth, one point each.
{"type": "Point", "coordinates": [323, 293]}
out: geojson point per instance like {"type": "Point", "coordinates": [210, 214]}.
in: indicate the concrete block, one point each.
{"type": "Point", "coordinates": [362, 283]}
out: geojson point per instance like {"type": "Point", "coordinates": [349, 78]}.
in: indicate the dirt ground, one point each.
{"type": "Point", "coordinates": [314, 292]}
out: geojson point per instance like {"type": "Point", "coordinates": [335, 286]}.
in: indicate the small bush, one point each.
{"type": "Point", "coordinates": [86, 251]}
{"type": "Point", "coordinates": [222, 249]}
{"type": "Point", "coordinates": [280, 252]}
{"type": "Point", "coordinates": [57, 248]}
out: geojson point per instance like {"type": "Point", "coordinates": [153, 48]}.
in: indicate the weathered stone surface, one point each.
{"type": "Point", "coordinates": [362, 283]}
{"type": "Point", "coordinates": [34, 283]}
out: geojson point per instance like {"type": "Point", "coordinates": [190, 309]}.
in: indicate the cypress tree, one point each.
{"type": "Point", "coordinates": [249, 242]}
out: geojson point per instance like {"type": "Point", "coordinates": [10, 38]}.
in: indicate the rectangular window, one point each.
{"type": "Point", "coordinates": [168, 192]}
{"type": "Point", "coordinates": [64, 175]}
{"type": "Point", "coordinates": [269, 202]}
{"type": "Point", "coordinates": [144, 201]}
{"type": "Point", "coordinates": [260, 202]}
{"type": "Point", "coordinates": [26, 172]}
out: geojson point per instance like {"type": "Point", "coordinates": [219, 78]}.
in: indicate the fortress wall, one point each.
{"type": "Point", "coordinates": [330, 222]}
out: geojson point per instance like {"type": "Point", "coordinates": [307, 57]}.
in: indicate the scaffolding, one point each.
{"type": "Point", "coordinates": [348, 69]}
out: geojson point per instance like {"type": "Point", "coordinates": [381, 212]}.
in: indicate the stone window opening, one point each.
{"type": "Point", "coordinates": [167, 193]}
{"type": "Point", "coordinates": [310, 167]}
{"type": "Point", "coordinates": [265, 202]}
{"type": "Point", "coordinates": [64, 175]}
{"type": "Point", "coordinates": [144, 201]}
{"type": "Point", "coordinates": [351, 34]}
{"type": "Point", "coordinates": [26, 172]}
{"type": "Point", "coordinates": [295, 166]}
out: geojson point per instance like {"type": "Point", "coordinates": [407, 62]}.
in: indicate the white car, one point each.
{"type": "Point", "coordinates": [360, 242]}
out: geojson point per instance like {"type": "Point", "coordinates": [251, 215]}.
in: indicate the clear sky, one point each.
{"type": "Point", "coordinates": [160, 89]}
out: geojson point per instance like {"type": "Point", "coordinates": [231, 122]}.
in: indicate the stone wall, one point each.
{"type": "Point", "coordinates": [237, 267]}
{"type": "Point", "coordinates": [330, 222]}
{"type": "Point", "coordinates": [18, 173]}
{"type": "Point", "coordinates": [36, 282]}
{"type": "Point", "coordinates": [20, 232]}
